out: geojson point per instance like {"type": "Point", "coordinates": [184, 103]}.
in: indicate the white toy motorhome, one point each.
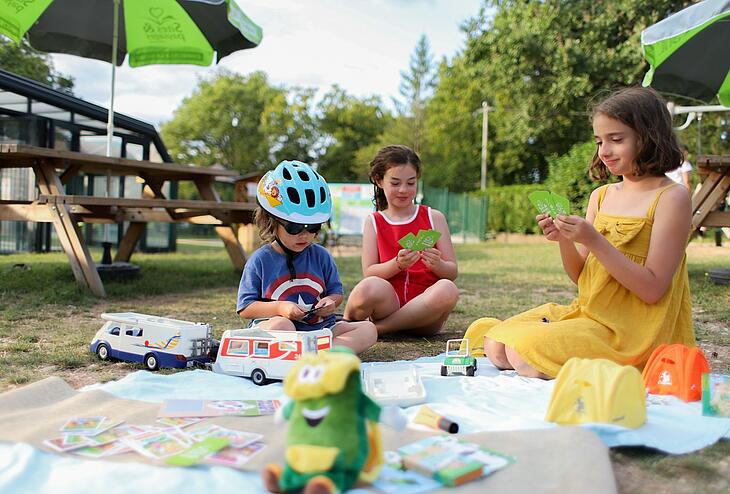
{"type": "Point", "coordinates": [155, 341]}
{"type": "Point", "coordinates": [264, 355]}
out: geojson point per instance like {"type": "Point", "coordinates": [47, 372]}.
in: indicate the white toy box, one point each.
{"type": "Point", "coordinates": [155, 341]}
{"type": "Point", "coordinates": [265, 355]}
{"type": "Point", "coordinates": [393, 386]}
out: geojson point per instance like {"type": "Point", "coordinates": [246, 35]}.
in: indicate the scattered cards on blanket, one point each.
{"type": "Point", "coordinates": [217, 408]}
{"type": "Point", "coordinates": [450, 461]}
{"type": "Point", "coordinates": [549, 203]}
{"type": "Point", "coordinates": [180, 441]}
{"type": "Point", "coordinates": [236, 457]}
{"type": "Point", "coordinates": [425, 239]}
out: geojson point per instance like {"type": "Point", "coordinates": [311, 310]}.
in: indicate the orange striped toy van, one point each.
{"type": "Point", "coordinates": [597, 391]}
{"type": "Point", "coordinates": [676, 370]}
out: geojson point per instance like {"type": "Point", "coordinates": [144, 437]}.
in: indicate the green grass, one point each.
{"type": "Point", "coordinates": [47, 322]}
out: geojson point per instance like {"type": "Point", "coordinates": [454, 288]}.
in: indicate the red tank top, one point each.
{"type": "Point", "coordinates": [416, 279]}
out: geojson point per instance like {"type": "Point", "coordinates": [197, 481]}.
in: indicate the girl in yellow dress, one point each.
{"type": "Point", "coordinates": [627, 256]}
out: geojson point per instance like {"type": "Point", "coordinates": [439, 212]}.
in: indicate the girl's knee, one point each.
{"type": "Point", "coordinates": [523, 368]}
{"type": "Point", "coordinates": [445, 294]}
{"type": "Point", "coordinates": [496, 353]}
{"type": "Point", "coordinates": [369, 288]}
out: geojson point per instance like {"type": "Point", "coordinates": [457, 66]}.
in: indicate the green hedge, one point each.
{"type": "Point", "coordinates": [509, 208]}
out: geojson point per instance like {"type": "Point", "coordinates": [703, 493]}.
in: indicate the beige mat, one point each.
{"type": "Point", "coordinates": [561, 460]}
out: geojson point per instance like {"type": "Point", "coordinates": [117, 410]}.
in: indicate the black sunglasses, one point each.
{"type": "Point", "coordinates": [297, 228]}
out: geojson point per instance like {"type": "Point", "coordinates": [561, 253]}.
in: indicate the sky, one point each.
{"type": "Point", "coordinates": [361, 45]}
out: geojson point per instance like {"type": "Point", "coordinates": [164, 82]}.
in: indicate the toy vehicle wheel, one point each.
{"type": "Point", "coordinates": [443, 370]}
{"type": "Point", "coordinates": [150, 361]}
{"type": "Point", "coordinates": [103, 351]}
{"type": "Point", "coordinates": [470, 370]}
{"type": "Point", "coordinates": [258, 377]}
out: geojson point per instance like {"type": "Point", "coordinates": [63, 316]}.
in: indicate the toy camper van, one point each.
{"type": "Point", "coordinates": [265, 355]}
{"type": "Point", "coordinates": [155, 341]}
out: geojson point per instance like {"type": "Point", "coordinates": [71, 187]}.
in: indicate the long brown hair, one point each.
{"type": "Point", "coordinates": [386, 158]}
{"type": "Point", "coordinates": [645, 111]}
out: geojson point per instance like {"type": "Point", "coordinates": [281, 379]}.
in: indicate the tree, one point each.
{"type": "Point", "coordinates": [229, 119]}
{"type": "Point", "coordinates": [540, 64]}
{"type": "Point", "coordinates": [415, 87]}
{"type": "Point", "coordinates": [348, 124]}
{"type": "Point", "coordinates": [22, 59]}
{"type": "Point", "coordinates": [291, 127]}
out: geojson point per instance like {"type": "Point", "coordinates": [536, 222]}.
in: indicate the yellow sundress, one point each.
{"type": "Point", "coordinates": [606, 320]}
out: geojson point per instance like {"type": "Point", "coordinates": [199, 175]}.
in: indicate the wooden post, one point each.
{"type": "Point", "coordinates": [68, 232]}
{"type": "Point", "coordinates": [225, 232]}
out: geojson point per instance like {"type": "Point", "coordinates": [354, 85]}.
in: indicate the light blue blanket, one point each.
{"type": "Point", "coordinates": [490, 401]}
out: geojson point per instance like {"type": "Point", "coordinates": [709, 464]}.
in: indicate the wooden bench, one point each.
{"type": "Point", "coordinates": [706, 202]}
{"type": "Point", "coordinates": [54, 168]}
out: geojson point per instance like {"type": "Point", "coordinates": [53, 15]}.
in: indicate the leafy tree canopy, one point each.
{"type": "Point", "coordinates": [22, 59]}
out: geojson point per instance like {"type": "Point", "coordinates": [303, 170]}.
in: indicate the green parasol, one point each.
{"type": "Point", "coordinates": [150, 31]}
{"type": "Point", "coordinates": [689, 52]}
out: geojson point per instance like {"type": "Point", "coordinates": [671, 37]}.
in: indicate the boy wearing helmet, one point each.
{"type": "Point", "coordinates": [291, 283]}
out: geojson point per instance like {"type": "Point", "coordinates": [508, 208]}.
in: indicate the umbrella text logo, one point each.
{"type": "Point", "coordinates": [162, 27]}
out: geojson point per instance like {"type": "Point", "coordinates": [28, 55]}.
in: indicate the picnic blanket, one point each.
{"type": "Point", "coordinates": [565, 460]}
{"type": "Point", "coordinates": [493, 400]}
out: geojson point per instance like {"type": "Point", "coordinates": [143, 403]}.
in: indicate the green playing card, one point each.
{"type": "Point", "coordinates": [549, 202]}
{"type": "Point", "coordinates": [197, 452]}
{"type": "Point", "coordinates": [408, 241]}
{"type": "Point", "coordinates": [561, 204]}
{"type": "Point", "coordinates": [541, 200]}
{"type": "Point", "coordinates": [426, 239]}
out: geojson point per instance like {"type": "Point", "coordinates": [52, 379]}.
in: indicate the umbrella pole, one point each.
{"type": "Point", "coordinates": [110, 118]}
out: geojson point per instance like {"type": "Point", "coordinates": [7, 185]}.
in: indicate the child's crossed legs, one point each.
{"type": "Point", "coordinates": [374, 298]}
{"type": "Point", "coordinates": [357, 336]}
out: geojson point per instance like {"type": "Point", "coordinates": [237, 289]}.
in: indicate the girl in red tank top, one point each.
{"type": "Point", "coordinates": [403, 289]}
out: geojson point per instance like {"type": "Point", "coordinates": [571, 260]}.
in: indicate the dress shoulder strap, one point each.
{"type": "Point", "coordinates": [652, 208]}
{"type": "Point", "coordinates": [601, 194]}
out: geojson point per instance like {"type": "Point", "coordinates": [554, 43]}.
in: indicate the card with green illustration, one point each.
{"type": "Point", "coordinates": [408, 241]}
{"type": "Point", "coordinates": [562, 204]}
{"type": "Point", "coordinates": [549, 203]}
{"type": "Point", "coordinates": [426, 239]}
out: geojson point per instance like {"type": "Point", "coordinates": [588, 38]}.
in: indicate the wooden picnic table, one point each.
{"type": "Point", "coordinates": [54, 168]}
{"type": "Point", "coordinates": [714, 171]}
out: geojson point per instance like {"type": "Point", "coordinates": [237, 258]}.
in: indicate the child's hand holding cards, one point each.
{"type": "Point", "coordinates": [425, 239]}
{"type": "Point", "coordinates": [549, 203]}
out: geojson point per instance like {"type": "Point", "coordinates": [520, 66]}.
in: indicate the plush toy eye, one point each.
{"type": "Point", "coordinates": [310, 373]}
{"type": "Point", "coordinates": [304, 373]}
{"type": "Point", "coordinates": [316, 374]}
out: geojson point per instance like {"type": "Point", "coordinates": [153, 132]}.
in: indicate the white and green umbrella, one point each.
{"type": "Point", "coordinates": [150, 31]}
{"type": "Point", "coordinates": [689, 52]}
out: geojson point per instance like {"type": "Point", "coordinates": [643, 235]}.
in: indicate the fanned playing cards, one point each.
{"type": "Point", "coordinates": [549, 203]}
{"type": "Point", "coordinates": [425, 239]}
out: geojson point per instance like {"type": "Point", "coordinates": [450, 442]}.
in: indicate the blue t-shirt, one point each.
{"type": "Point", "coordinates": [266, 277]}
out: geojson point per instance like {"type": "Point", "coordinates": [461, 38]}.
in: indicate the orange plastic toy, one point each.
{"type": "Point", "coordinates": [676, 370]}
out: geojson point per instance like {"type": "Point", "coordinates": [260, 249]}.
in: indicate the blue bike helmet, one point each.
{"type": "Point", "coordinates": [294, 192]}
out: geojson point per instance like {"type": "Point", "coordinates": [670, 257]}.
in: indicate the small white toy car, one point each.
{"type": "Point", "coordinates": [265, 355]}
{"type": "Point", "coordinates": [155, 341]}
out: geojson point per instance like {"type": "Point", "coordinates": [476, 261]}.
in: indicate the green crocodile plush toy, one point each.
{"type": "Point", "coordinates": [333, 439]}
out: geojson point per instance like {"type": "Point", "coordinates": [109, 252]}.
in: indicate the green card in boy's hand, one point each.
{"type": "Point", "coordinates": [426, 239]}
{"type": "Point", "coordinates": [408, 241]}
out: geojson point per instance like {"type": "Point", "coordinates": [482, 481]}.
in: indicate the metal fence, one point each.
{"type": "Point", "coordinates": [466, 214]}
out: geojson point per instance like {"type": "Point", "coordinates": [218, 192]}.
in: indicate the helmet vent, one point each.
{"type": "Point", "coordinates": [293, 195]}
{"type": "Point", "coordinates": [310, 197]}
{"type": "Point", "coordinates": [322, 195]}
{"type": "Point", "coordinates": [303, 175]}
{"type": "Point", "coordinates": [286, 173]}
